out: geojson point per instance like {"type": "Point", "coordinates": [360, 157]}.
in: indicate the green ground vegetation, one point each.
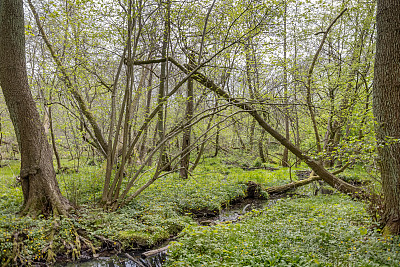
{"type": "Point", "coordinates": [160, 212]}
{"type": "Point", "coordinates": [317, 231]}
{"type": "Point", "coordinates": [313, 230]}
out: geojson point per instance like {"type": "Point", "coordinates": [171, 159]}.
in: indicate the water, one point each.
{"type": "Point", "coordinates": [134, 260]}
{"type": "Point", "coordinates": [122, 260]}
{"type": "Point", "coordinates": [233, 212]}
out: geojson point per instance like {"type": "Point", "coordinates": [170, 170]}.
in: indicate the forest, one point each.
{"type": "Point", "coordinates": [199, 133]}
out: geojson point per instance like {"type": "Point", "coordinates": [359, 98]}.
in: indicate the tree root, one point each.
{"type": "Point", "coordinates": [18, 250]}
{"type": "Point", "coordinates": [74, 247]}
{"type": "Point", "coordinates": [48, 250]}
{"type": "Point", "coordinates": [89, 244]}
{"type": "Point", "coordinates": [109, 244]}
{"type": "Point", "coordinates": [50, 255]}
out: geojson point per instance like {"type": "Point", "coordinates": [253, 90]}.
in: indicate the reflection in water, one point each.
{"type": "Point", "coordinates": [121, 261]}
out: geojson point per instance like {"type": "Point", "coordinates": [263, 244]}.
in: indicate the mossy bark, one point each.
{"type": "Point", "coordinates": [39, 185]}
{"type": "Point", "coordinates": [386, 101]}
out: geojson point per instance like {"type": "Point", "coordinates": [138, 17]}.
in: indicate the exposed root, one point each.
{"type": "Point", "coordinates": [108, 244]}
{"type": "Point", "coordinates": [48, 251]}
{"type": "Point", "coordinates": [73, 248]}
{"type": "Point", "coordinates": [88, 244]}
{"type": "Point", "coordinates": [18, 247]}
{"type": "Point", "coordinates": [391, 228]}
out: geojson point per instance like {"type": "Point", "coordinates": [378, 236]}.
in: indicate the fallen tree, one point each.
{"type": "Point", "coordinates": [318, 169]}
{"type": "Point", "coordinates": [293, 185]}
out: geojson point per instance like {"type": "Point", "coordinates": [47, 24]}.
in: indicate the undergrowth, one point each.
{"type": "Point", "coordinates": [160, 212]}
{"type": "Point", "coordinates": [317, 231]}
{"type": "Point", "coordinates": [301, 231]}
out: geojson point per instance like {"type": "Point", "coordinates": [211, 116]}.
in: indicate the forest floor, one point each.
{"type": "Point", "coordinates": [310, 230]}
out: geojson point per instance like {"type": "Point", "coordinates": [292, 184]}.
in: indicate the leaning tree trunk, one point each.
{"type": "Point", "coordinates": [38, 179]}
{"type": "Point", "coordinates": [315, 165]}
{"type": "Point", "coordinates": [386, 100]}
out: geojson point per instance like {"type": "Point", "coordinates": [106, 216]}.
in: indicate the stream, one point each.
{"type": "Point", "coordinates": [122, 260]}
{"type": "Point", "coordinates": [232, 213]}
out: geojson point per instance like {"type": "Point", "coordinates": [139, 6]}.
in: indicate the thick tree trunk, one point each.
{"type": "Point", "coordinates": [38, 178]}
{"type": "Point", "coordinates": [386, 100]}
{"type": "Point", "coordinates": [1, 140]}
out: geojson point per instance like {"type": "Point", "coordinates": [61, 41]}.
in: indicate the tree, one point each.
{"type": "Point", "coordinates": [386, 101]}
{"type": "Point", "coordinates": [185, 159]}
{"type": "Point", "coordinates": [39, 184]}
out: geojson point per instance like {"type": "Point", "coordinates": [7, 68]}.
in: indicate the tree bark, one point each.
{"type": "Point", "coordinates": [386, 104]}
{"type": "Point", "coordinates": [293, 185]}
{"type": "Point", "coordinates": [53, 140]}
{"type": "Point", "coordinates": [163, 80]}
{"type": "Point", "coordinates": [143, 149]}
{"type": "Point", "coordinates": [285, 155]}
{"type": "Point", "coordinates": [185, 160]}
{"type": "Point", "coordinates": [39, 184]}
{"type": "Point", "coordinates": [260, 147]}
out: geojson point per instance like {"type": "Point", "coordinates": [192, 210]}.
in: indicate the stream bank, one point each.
{"type": "Point", "coordinates": [255, 199]}
{"type": "Point", "coordinates": [135, 258]}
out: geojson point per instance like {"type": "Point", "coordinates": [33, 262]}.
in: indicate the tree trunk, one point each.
{"type": "Point", "coordinates": [386, 100]}
{"type": "Point", "coordinates": [53, 140]}
{"type": "Point", "coordinates": [217, 134]}
{"type": "Point", "coordinates": [1, 139]}
{"type": "Point", "coordinates": [163, 80]}
{"type": "Point", "coordinates": [143, 149]}
{"type": "Point", "coordinates": [260, 147]}
{"type": "Point", "coordinates": [185, 160]}
{"type": "Point", "coordinates": [250, 79]}
{"type": "Point", "coordinates": [285, 155]}
{"type": "Point", "coordinates": [39, 184]}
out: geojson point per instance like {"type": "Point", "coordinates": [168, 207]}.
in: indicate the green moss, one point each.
{"type": "Point", "coordinates": [149, 237]}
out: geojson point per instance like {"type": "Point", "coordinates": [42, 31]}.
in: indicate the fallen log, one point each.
{"type": "Point", "coordinates": [154, 252]}
{"type": "Point", "coordinates": [315, 165]}
{"type": "Point", "coordinates": [284, 188]}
